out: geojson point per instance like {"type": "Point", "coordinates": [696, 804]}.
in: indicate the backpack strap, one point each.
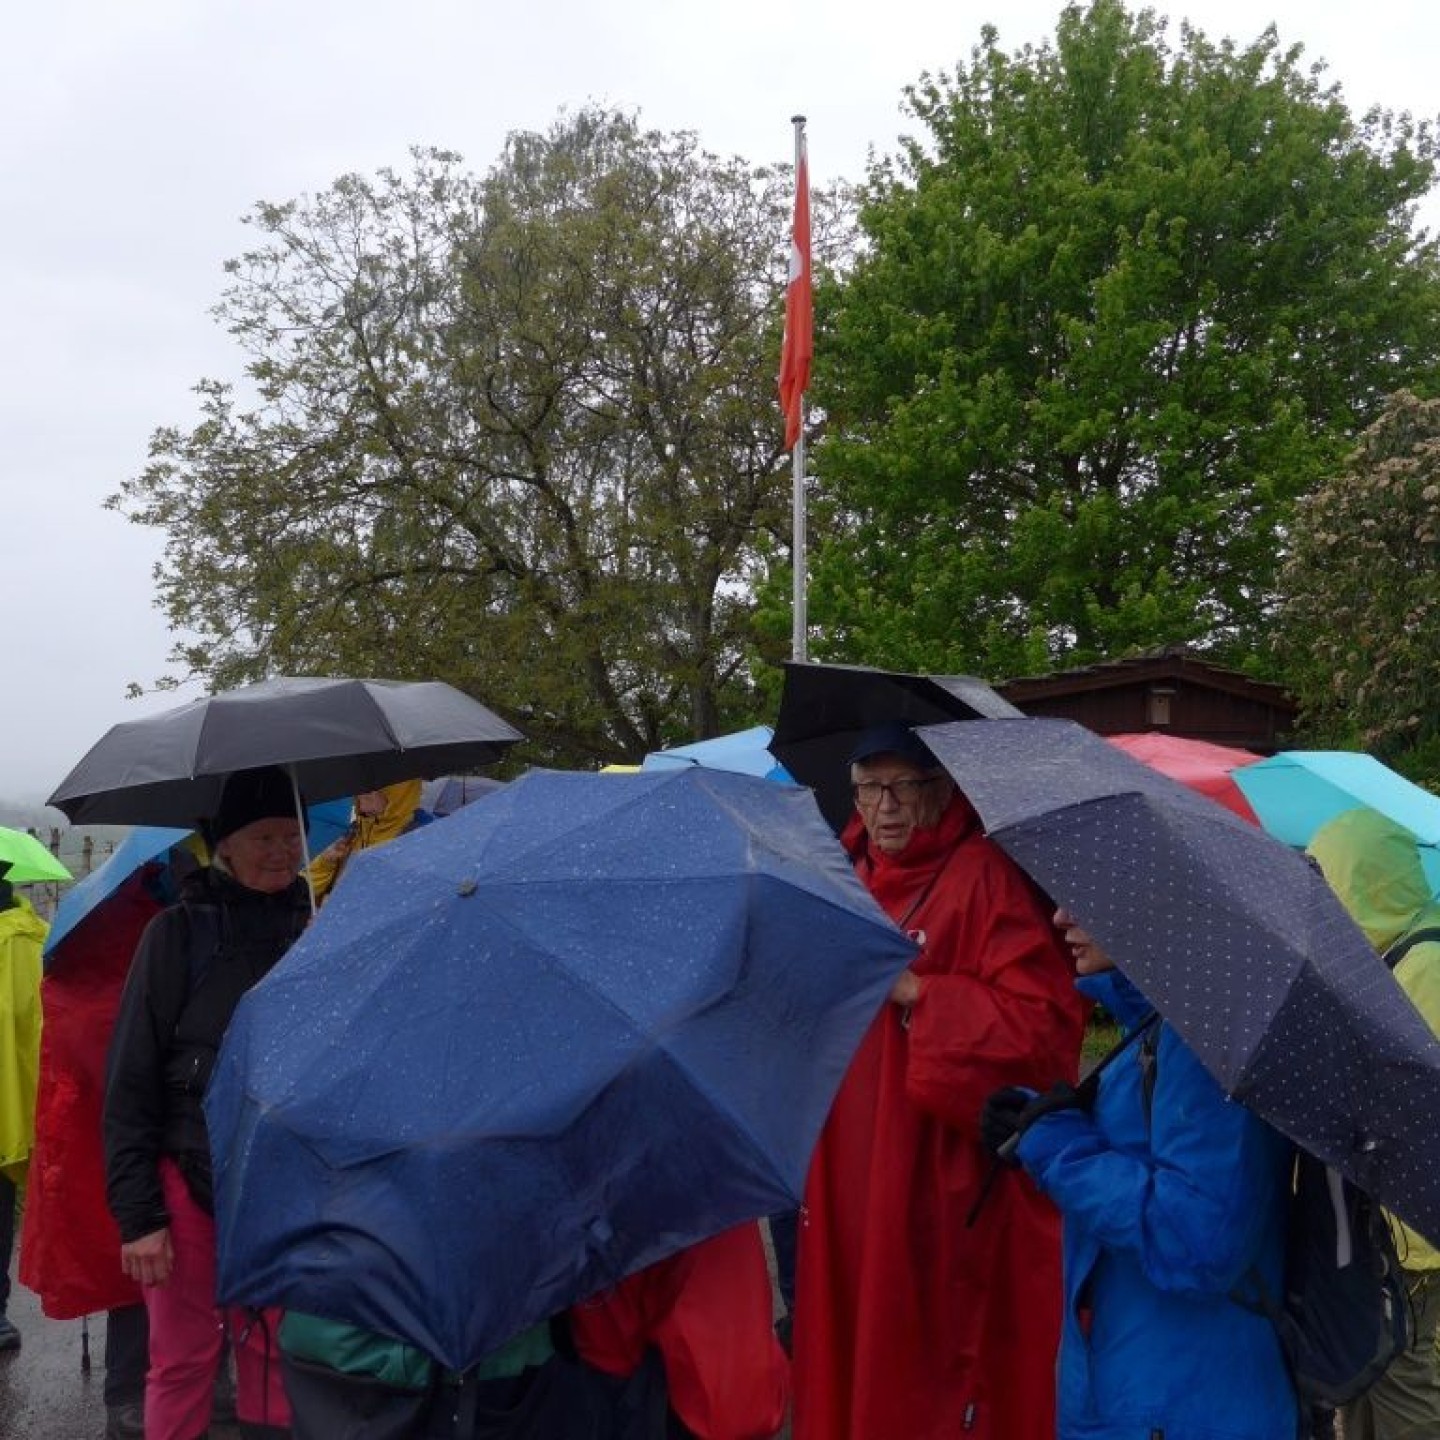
{"type": "Point", "coordinates": [1147, 1035]}
{"type": "Point", "coordinates": [1427, 934]}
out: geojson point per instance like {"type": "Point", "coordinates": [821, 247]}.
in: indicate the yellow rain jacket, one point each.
{"type": "Point", "coordinates": [22, 937]}
{"type": "Point", "coordinates": [1373, 865]}
{"type": "Point", "coordinates": [402, 802]}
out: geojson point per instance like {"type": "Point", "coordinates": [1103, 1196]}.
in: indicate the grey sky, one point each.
{"type": "Point", "coordinates": [136, 135]}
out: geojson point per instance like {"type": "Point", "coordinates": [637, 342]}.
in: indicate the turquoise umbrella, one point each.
{"type": "Point", "coordinates": [1295, 792]}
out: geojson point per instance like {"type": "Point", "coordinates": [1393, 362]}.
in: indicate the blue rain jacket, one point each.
{"type": "Point", "coordinates": [1164, 1219]}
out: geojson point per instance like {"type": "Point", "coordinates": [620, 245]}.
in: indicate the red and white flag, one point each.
{"type": "Point", "coordinates": [799, 346]}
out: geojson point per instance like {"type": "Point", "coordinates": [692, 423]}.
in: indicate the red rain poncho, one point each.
{"type": "Point", "coordinates": [70, 1247]}
{"type": "Point", "coordinates": [708, 1310]}
{"type": "Point", "coordinates": [908, 1323]}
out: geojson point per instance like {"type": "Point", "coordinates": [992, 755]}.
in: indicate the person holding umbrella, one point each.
{"type": "Point", "coordinates": [1374, 866]}
{"type": "Point", "coordinates": [232, 923]}
{"type": "Point", "coordinates": [1174, 1201]}
{"type": "Point", "coordinates": [908, 1321]}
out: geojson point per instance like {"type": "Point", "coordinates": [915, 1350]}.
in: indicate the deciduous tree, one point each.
{"type": "Point", "coordinates": [1359, 627]}
{"type": "Point", "coordinates": [518, 432]}
{"type": "Point", "coordinates": [1120, 304]}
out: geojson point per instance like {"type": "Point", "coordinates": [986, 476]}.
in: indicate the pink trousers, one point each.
{"type": "Point", "coordinates": [187, 1332]}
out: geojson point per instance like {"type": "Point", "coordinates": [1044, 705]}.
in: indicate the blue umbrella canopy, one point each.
{"type": "Point", "coordinates": [1235, 938]}
{"type": "Point", "coordinates": [1295, 792]}
{"type": "Point", "coordinates": [141, 843]}
{"type": "Point", "coordinates": [743, 751]}
{"type": "Point", "coordinates": [559, 1036]}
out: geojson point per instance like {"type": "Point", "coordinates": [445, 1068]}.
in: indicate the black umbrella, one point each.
{"type": "Point", "coordinates": [1234, 938]}
{"type": "Point", "coordinates": [334, 736]}
{"type": "Point", "coordinates": [824, 709]}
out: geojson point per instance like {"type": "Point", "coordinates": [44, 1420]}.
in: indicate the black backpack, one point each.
{"type": "Point", "coordinates": [1344, 1315]}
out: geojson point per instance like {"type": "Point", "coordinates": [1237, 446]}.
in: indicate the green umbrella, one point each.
{"type": "Point", "coordinates": [28, 860]}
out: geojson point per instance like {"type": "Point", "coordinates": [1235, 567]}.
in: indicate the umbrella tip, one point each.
{"type": "Point", "coordinates": [467, 887]}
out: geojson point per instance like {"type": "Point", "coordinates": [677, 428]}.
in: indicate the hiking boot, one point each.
{"type": "Point", "coordinates": [125, 1422]}
{"type": "Point", "coordinates": [9, 1335]}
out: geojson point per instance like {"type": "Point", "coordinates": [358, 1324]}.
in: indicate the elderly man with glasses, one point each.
{"type": "Point", "coordinates": [914, 1316]}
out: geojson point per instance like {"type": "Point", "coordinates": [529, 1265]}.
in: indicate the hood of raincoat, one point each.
{"type": "Point", "coordinates": [402, 810]}
{"type": "Point", "coordinates": [1373, 865]}
{"type": "Point", "coordinates": [402, 800]}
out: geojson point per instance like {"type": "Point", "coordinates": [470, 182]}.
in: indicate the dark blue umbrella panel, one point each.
{"type": "Point", "coordinates": [533, 1048]}
{"type": "Point", "coordinates": [1234, 937]}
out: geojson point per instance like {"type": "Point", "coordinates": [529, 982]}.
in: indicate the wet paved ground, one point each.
{"type": "Point", "coordinates": [45, 1393]}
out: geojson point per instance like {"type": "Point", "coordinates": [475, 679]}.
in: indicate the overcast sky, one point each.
{"type": "Point", "coordinates": [137, 134]}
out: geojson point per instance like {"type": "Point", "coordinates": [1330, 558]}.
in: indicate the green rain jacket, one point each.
{"type": "Point", "coordinates": [1373, 865]}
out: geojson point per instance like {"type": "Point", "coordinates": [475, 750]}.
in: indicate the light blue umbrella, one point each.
{"type": "Point", "coordinates": [742, 751]}
{"type": "Point", "coordinates": [142, 844]}
{"type": "Point", "coordinates": [1295, 792]}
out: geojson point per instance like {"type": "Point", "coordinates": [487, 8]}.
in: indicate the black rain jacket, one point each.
{"type": "Point", "coordinates": [194, 962]}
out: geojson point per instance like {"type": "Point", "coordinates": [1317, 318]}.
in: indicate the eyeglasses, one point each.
{"type": "Point", "coordinates": [867, 793]}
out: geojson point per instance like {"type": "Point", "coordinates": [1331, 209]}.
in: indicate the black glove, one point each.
{"type": "Point", "coordinates": [1010, 1112]}
{"type": "Point", "coordinates": [1063, 1096]}
{"type": "Point", "coordinates": [1000, 1119]}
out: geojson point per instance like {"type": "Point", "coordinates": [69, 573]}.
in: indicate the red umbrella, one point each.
{"type": "Point", "coordinates": [1196, 763]}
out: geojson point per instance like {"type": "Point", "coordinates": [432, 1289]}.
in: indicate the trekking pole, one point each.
{"type": "Point", "coordinates": [84, 1344]}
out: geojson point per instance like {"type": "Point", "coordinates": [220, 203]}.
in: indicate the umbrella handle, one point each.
{"type": "Point", "coordinates": [988, 1184]}
{"type": "Point", "coordinates": [304, 838]}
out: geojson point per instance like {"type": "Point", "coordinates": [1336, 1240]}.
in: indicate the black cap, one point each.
{"type": "Point", "coordinates": [893, 738]}
{"type": "Point", "coordinates": [251, 795]}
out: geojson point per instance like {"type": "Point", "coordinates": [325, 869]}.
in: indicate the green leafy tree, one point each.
{"type": "Point", "coordinates": [1117, 307]}
{"type": "Point", "coordinates": [517, 432]}
{"type": "Point", "coordinates": [1358, 630]}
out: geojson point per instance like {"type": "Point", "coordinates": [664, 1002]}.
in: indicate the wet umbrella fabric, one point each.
{"type": "Point", "coordinates": [453, 792]}
{"type": "Point", "coordinates": [1297, 791]}
{"type": "Point", "coordinates": [142, 844]}
{"type": "Point", "coordinates": [1199, 765]}
{"type": "Point", "coordinates": [824, 709]}
{"type": "Point", "coordinates": [745, 752]}
{"type": "Point", "coordinates": [1234, 938]}
{"type": "Point", "coordinates": [532, 1048]}
{"type": "Point", "coordinates": [334, 736]}
{"type": "Point", "coordinates": [25, 861]}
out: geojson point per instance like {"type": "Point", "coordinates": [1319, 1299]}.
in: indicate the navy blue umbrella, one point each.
{"type": "Point", "coordinates": [530, 1049]}
{"type": "Point", "coordinates": [1234, 938]}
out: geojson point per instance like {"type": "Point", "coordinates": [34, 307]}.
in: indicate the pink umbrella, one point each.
{"type": "Point", "coordinates": [1197, 763]}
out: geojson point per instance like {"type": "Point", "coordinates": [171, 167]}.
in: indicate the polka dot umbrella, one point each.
{"type": "Point", "coordinates": [1234, 938]}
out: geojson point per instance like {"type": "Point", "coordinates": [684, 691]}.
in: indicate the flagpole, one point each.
{"type": "Point", "coordinates": [798, 624]}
